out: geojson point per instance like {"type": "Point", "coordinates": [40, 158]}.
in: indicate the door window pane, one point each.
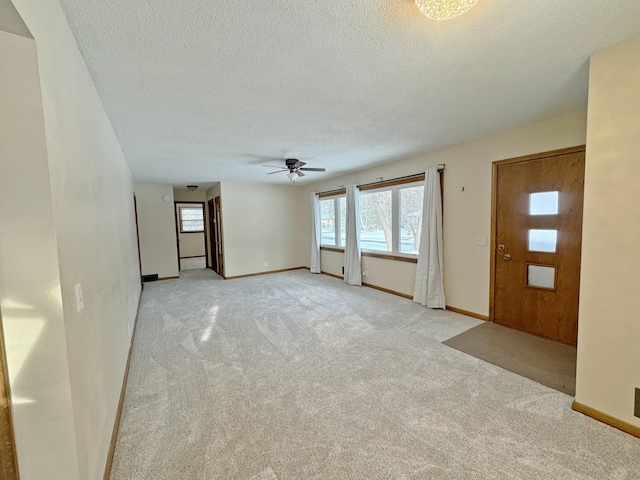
{"type": "Point", "coordinates": [543, 240]}
{"type": "Point", "coordinates": [541, 276]}
{"type": "Point", "coordinates": [375, 215]}
{"type": "Point", "coordinates": [328, 222]}
{"type": "Point", "coordinates": [543, 203]}
{"type": "Point", "coordinates": [410, 219]}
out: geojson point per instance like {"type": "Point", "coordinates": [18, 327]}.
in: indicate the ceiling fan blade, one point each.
{"type": "Point", "coordinates": [279, 171]}
{"type": "Point", "coordinates": [313, 169]}
{"type": "Point", "coordinates": [273, 166]}
{"type": "Point", "coordinates": [299, 173]}
{"type": "Point", "coordinates": [299, 164]}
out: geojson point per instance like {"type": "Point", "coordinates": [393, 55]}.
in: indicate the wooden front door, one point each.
{"type": "Point", "coordinates": [537, 243]}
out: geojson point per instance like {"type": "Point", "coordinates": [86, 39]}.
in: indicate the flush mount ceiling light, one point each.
{"type": "Point", "coordinates": [444, 9]}
{"type": "Point", "coordinates": [192, 187]}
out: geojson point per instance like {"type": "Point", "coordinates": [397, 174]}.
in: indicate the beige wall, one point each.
{"type": "Point", "coordinates": [30, 294]}
{"type": "Point", "coordinates": [80, 194]}
{"type": "Point", "coordinates": [185, 195]}
{"type": "Point", "coordinates": [157, 227]}
{"type": "Point", "coordinates": [261, 227]}
{"type": "Point", "coordinates": [609, 322]}
{"type": "Point", "coordinates": [467, 214]}
{"type": "Point", "coordinates": [191, 244]}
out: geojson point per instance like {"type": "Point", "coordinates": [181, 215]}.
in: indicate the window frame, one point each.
{"type": "Point", "coordinates": [337, 221]}
{"type": "Point", "coordinates": [396, 219]}
{"type": "Point", "coordinates": [190, 207]}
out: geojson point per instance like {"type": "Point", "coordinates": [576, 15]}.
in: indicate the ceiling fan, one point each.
{"type": "Point", "coordinates": [295, 168]}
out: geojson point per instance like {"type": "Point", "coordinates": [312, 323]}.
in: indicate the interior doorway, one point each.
{"type": "Point", "coordinates": [217, 247]}
{"type": "Point", "coordinates": [212, 241]}
{"type": "Point", "coordinates": [190, 235]}
{"type": "Point", "coordinates": [536, 243]}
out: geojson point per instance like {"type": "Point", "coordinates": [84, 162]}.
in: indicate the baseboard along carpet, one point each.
{"type": "Point", "coordinates": [300, 376]}
{"type": "Point", "coordinates": [544, 361]}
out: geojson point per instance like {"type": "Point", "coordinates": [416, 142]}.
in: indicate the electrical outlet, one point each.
{"type": "Point", "coordinates": [481, 241]}
{"type": "Point", "coordinates": [636, 408]}
{"type": "Point", "coordinates": [266, 264]}
{"type": "Point", "coordinates": [364, 274]}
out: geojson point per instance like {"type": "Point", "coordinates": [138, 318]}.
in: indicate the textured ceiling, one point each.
{"type": "Point", "coordinates": [208, 90]}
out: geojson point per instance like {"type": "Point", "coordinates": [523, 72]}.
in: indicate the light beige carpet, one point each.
{"type": "Point", "coordinates": [193, 263]}
{"type": "Point", "coordinates": [544, 361]}
{"type": "Point", "coordinates": [299, 376]}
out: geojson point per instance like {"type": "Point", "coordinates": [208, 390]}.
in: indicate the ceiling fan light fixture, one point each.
{"type": "Point", "coordinates": [444, 9]}
{"type": "Point", "coordinates": [292, 176]}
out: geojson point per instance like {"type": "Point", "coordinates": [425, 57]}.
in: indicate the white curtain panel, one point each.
{"type": "Point", "coordinates": [352, 268]}
{"type": "Point", "coordinates": [429, 286]}
{"type": "Point", "coordinates": [316, 225]}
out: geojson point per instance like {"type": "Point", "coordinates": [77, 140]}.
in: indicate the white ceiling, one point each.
{"type": "Point", "coordinates": [208, 90]}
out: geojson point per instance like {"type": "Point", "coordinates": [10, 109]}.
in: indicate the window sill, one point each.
{"type": "Point", "coordinates": [332, 249]}
{"type": "Point", "coordinates": [385, 256]}
{"type": "Point", "coordinates": [390, 256]}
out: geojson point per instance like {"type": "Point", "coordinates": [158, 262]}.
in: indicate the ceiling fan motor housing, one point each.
{"type": "Point", "coordinates": [293, 163]}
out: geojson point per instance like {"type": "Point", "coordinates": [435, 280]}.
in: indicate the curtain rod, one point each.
{"type": "Point", "coordinates": [441, 167]}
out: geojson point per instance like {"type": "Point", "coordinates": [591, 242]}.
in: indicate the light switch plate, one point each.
{"type": "Point", "coordinates": [79, 297]}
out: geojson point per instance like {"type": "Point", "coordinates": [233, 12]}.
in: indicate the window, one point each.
{"type": "Point", "coordinates": [411, 200]}
{"type": "Point", "coordinates": [332, 226]}
{"type": "Point", "coordinates": [191, 219]}
{"type": "Point", "coordinates": [376, 232]}
{"type": "Point", "coordinates": [392, 219]}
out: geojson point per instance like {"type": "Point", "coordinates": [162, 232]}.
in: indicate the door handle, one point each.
{"type": "Point", "coordinates": [506, 257]}
{"type": "Point", "coordinates": [501, 247]}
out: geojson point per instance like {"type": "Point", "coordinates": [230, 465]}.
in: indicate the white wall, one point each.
{"type": "Point", "coordinates": [90, 205]}
{"type": "Point", "coordinates": [262, 223]}
{"type": "Point", "coordinates": [467, 214]}
{"type": "Point", "coordinates": [609, 321]}
{"type": "Point", "coordinates": [157, 227]}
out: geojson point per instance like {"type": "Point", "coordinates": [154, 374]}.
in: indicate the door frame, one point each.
{"type": "Point", "coordinates": [494, 206]}
{"type": "Point", "coordinates": [135, 213]}
{"type": "Point", "coordinates": [211, 236]}
{"type": "Point", "coordinates": [8, 454]}
{"type": "Point", "coordinates": [204, 218]}
{"type": "Point", "coordinates": [217, 207]}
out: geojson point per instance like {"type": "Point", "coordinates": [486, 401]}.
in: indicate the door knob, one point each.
{"type": "Point", "coordinates": [506, 256]}
{"type": "Point", "coordinates": [500, 247]}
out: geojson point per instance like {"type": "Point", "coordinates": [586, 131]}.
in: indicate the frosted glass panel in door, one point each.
{"type": "Point", "coordinates": [543, 240]}
{"type": "Point", "coordinates": [541, 276]}
{"type": "Point", "coordinates": [543, 203]}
